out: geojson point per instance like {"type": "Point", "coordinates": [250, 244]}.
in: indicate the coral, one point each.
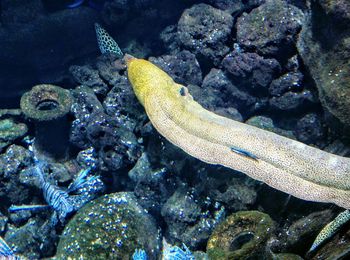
{"type": "Point", "coordinates": [48, 106]}
{"type": "Point", "coordinates": [243, 234]}
{"type": "Point", "coordinates": [10, 131]}
{"type": "Point", "coordinates": [112, 226]}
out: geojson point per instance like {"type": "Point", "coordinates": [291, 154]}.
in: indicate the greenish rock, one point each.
{"type": "Point", "coordinates": [286, 256]}
{"type": "Point", "coordinates": [243, 235]}
{"type": "Point", "coordinates": [266, 123]}
{"type": "Point", "coordinates": [10, 112]}
{"type": "Point", "coordinates": [110, 227]}
{"type": "Point", "coordinates": [46, 102]}
{"type": "Point", "coordinates": [48, 107]}
{"type": "Point", "coordinates": [324, 45]}
{"type": "Point", "coordinates": [10, 131]}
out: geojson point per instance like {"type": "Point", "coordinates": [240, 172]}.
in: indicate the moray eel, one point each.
{"type": "Point", "coordinates": [287, 165]}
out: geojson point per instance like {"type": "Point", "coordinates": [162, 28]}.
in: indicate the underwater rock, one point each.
{"type": "Point", "coordinates": [84, 106]}
{"type": "Point", "coordinates": [271, 29]}
{"type": "Point", "coordinates": [170, 39]}
{"type": "Point", "coordinates": [14, 112]}
{"type": "Point", "coordinates": [251, 71]}
{"type": "Point", "coordinates": [111, 70]}
{"type": "Point", "coordinates": [112, 226]}
{"type": "Point", "coordinates": [324, 45]}
{"type": "Point", "coordinates": [291, 81]}
{"type": "Point", "coordinates": [121, 104]}
{"type": "Point", "coordinates": [234, 193]}
{"type": "Point", "coordinates": [3, 222]}
{"type": "Point", "coordinates": [48, 106]}
{"type": "Point", "coordinates": [181, 207]}
{"type": "Point", "coordinates": [10, 131]}
{"type": "Point", "coordinates": [219, 91]}
{"type": "Point", "coordinates": [293, 102]}
{"type": "Point", "coordinates": [310, 129]}
{"type": "Point", "coordinates": [182, 67]}
{"type": "Point", "coordinates": [115, 145]}
{"type": "Point", "coordinates": [154, 184]}
{"type": "Point", "coordinates": [267, 123]}
{"type": "Point", "coordinates": [13, 160]}
{"type": "Point", "coordinates": [87, 76]}
{"type": "Point", "coordinates": [242, 235]}
{"type": "Point", "coordinates": [205, 31]}
{"type": "Point", "coordinates": [24, 239]}
{"type": "Point", "coordinates": [233, 6]}
{"type": "Point", "coordinates": [187, 220]}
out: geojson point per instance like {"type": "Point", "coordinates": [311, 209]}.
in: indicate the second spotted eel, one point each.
{"type": "Point", "coordinates": [284, 164]}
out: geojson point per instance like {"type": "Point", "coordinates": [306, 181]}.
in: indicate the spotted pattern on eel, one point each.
{"type": "Point", "coordinates": [287, 165]}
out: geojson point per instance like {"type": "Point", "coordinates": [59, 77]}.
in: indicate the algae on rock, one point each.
{"type": "Point", "coordinates": [110, 227]}
{"type": "Point", "coordinates": [324, 46]}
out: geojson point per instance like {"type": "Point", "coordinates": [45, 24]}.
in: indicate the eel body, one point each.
{"type": "Point", "coordinates": [282, 163]}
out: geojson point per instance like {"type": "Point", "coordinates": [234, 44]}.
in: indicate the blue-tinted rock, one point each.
{"type": "Point", "coordinates": [251, 71]}
{"type": "Point", "coordinates": [291, 81]}
{"type": "Point", "coordinates": [87, 76]}
{"type": "Point", "coordinates": [310, 129]}
{"type": "Point", "coordinates": [295, 102]}
{"type": "Point", "coordinates": [182, 67]}
{"type": "Point", "coordinates": [220, 93]}
{"type": "Point", "coordinates": [235, 6]}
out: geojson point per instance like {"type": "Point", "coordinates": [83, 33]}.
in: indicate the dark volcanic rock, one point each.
{"type": "Point", "coordinates": [251, 71]}
{"type": "Point", "coordinates": [205, 31]}
{"type": "Point", "coordinates": [182, 67]}
{"type": "Point", "coordinates": [219, 91]}
{"type": "Point", "coordinates": [288, 82]}
{"type": "Point", "coordinates": [234, 6]}
{"type": "Point", "coordinates": [310, 129]}
{"type": "Point", "coordinates": [270, 29]}
{"type": "Point", "coordinates": [324, 45]}
{"type": "Point", "coordinates": [293, 101]}
{"type": "Point", "coordinates": [89, 77]}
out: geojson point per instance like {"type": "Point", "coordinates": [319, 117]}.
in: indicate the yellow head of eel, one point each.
{"type": "Point", "coordinates": [145, 76]}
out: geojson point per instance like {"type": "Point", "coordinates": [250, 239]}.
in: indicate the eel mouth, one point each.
{"type": "Point", "coordinates": [128, 58]}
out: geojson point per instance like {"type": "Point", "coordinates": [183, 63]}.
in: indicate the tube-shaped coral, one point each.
{"type": "Point", "coordinates": [48, 106]}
